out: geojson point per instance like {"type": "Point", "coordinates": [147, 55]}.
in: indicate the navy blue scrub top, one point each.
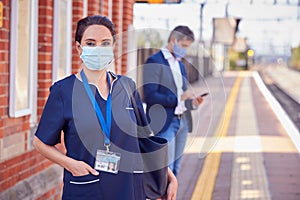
{"type": "Point", "coordinates": [69, 109]}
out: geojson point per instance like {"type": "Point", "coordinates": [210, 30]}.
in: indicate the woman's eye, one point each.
{"type": "Point", "coordinates": [105, 44]}
{"type": "Point", "coordinates": [91, 44]}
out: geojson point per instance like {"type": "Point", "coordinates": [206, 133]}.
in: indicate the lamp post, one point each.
{"type": "Point", "coordinates": [203, 66]}
{"type": "Point", "coordinates": [201, 21]}
{"type": "Point", "coordinates": [298, 10]}
{"type": "Point", "coordinates": [226, 54]}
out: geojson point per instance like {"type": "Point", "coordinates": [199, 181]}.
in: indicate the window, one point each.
{"type": "Point", "coordinates": [23, 57]}
{"type": "Point", "coordinates": [62, 39]}
{"type": "Point", "coordinates": [85, 8]}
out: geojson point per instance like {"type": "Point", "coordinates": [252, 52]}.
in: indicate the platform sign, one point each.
{"type": "Point", "coordinates": [224, 30]}
{"type": "Point", "coordinates": [1, 14]}
{"type": "Point", "coordinates": [240, 44]}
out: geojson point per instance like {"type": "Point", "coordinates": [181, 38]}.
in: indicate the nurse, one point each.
{"type": "Point", "coordinates": [95, 114]}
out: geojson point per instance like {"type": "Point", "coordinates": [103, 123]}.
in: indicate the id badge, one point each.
{"type": "Point", "coordinates": [107, 161]}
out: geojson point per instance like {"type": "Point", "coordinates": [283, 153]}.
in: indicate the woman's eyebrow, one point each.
{"type": "Point", "coordinates": [107, 40]}
{"type": "Point", "coordinates": [90, 39]}
{"type": "Point", "coordinates": [103, 40]}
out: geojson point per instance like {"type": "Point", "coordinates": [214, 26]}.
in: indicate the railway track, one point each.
{"type": "Point", "coordinates": [291, 107]}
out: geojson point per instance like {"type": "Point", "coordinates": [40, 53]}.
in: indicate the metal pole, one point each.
{"type": "Point", "coordinates": [298, 8]}
{"type": "Point", "coordinates": [201, 22]}
{"type": "Point", "coordinates": [226, 9]}
{"type": "Point", "coordinates": [226, 54]}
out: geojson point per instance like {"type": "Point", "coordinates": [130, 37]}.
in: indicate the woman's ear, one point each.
{"type": "Point", "coordinates": [78, 48]}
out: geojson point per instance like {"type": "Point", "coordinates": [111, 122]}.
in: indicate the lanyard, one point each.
{"type": "Point", "coordinates": [104, 125]}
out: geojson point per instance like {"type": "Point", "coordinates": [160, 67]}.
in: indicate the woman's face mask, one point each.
{"type": "Point", "coordinates": [97, 58]}
{"type": "Point", "coordinates": [178, 51]}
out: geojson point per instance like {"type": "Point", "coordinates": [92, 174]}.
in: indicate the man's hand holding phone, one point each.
{"type": "Point", "coordinates": [199, 99]}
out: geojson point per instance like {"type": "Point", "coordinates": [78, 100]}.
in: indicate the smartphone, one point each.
{"type": "Point", "coordinates": [204, 94]}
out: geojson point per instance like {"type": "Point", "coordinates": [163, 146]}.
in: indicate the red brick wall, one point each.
{"type": "Point", "coordinates": [77, 15]}
{"type": "Point", "coordinates": [104, 8]}
{"type": "Point", "coordinates": [4, 68]}
{"type": "Point", "coordinates": [93, 7]}
{"type": "Point", "coordinates": [8, 126]}
{"type": "Point", "coordinates": [122, 16]}
{"type": "Point", "coordinates": [45, 43]}
{"type": "Point", "coordinates": [21, 167]}
{"type": "Point", "coordinates": [17, 168]}
{"type": "Point", "coordinates": [127, 18]}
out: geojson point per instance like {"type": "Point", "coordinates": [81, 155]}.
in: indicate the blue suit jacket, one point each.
{"type": "Point", "coordinates": [160, 92]}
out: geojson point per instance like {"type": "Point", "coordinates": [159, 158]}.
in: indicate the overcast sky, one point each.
{"type": "Point", "coordinates": [268, 28]}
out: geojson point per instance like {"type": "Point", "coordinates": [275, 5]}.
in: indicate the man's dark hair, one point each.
{"type": "Point", "coordinates": [84, 23]}
{"type": "Point", "coordinates": [182, 32]}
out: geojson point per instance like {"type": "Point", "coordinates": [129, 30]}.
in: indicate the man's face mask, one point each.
{"type": "Point", "coordinates": [178, 51]}
{"type": "Point", "coordinates": [97, 58]}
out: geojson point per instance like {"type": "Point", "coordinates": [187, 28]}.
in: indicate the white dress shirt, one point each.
{"type": "Point", "coordinates": [176, 72]}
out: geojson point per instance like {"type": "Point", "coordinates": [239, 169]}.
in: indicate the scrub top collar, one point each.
{"type": "Point", "coordinates": [115, 77]}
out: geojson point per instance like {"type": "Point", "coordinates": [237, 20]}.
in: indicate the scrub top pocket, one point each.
{"type": "Point", "coordinates": [84, 180]}
{"type": "Point", "coordinates": [83, 187]}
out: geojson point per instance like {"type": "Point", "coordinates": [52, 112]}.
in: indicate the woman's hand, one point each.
{"type": "Point", "coordinates": [172, 187]}
{"type": "Point", "coordinates": [79, 168]}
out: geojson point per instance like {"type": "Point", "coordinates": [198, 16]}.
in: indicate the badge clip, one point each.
{"type": "Point", "coordinates": [107, 147]}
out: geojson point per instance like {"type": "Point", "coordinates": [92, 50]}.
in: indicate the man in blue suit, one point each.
{"type": "Point", "coordinates": [165, 85]}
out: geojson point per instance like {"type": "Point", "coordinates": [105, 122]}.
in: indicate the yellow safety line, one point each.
{"type": "Point", "coordinates": [206, 182]}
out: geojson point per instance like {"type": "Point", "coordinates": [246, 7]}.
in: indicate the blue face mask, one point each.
{"type": "Point", "coordinates": [178, 51]}
{"type": "Point", "coordinates": [96, 58]}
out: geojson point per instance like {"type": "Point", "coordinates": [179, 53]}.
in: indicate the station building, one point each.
{"type": "Point", "coordinates": [37, 48]}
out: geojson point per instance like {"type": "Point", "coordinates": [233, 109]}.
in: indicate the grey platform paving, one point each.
{"type": "Point", "coordinates": [259, 160]}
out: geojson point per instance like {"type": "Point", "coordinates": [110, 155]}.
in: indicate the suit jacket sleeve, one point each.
{"type": "Point", "coordinates": [152, 85]}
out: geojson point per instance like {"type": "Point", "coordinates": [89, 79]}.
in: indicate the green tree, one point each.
{"type": "Point", "coordinates": [295, 58]}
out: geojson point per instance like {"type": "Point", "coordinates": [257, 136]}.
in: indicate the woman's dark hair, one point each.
{"type": "Point", "coordinates": [84, 23]}
{"type": "Point", "coordinates": [180, 32]}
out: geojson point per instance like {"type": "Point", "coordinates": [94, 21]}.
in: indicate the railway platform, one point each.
{"type": "Point", "coordinates": [243, 145]}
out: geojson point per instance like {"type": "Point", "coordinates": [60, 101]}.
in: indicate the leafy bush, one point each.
{"type": "Point", "coordinates": [295, 58]}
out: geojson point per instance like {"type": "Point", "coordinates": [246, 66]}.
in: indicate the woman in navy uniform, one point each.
{"type": "Point", "coordinates": [95, 113]}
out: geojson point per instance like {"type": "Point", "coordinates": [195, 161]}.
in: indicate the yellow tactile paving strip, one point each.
{"type": "Point", "coordinates": [206, 182]}
{"type": "Point", "coordinates": [249, 179]}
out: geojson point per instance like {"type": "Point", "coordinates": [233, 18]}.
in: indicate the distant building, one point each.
{"type": "Point", "coordinates": [36, 49]}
